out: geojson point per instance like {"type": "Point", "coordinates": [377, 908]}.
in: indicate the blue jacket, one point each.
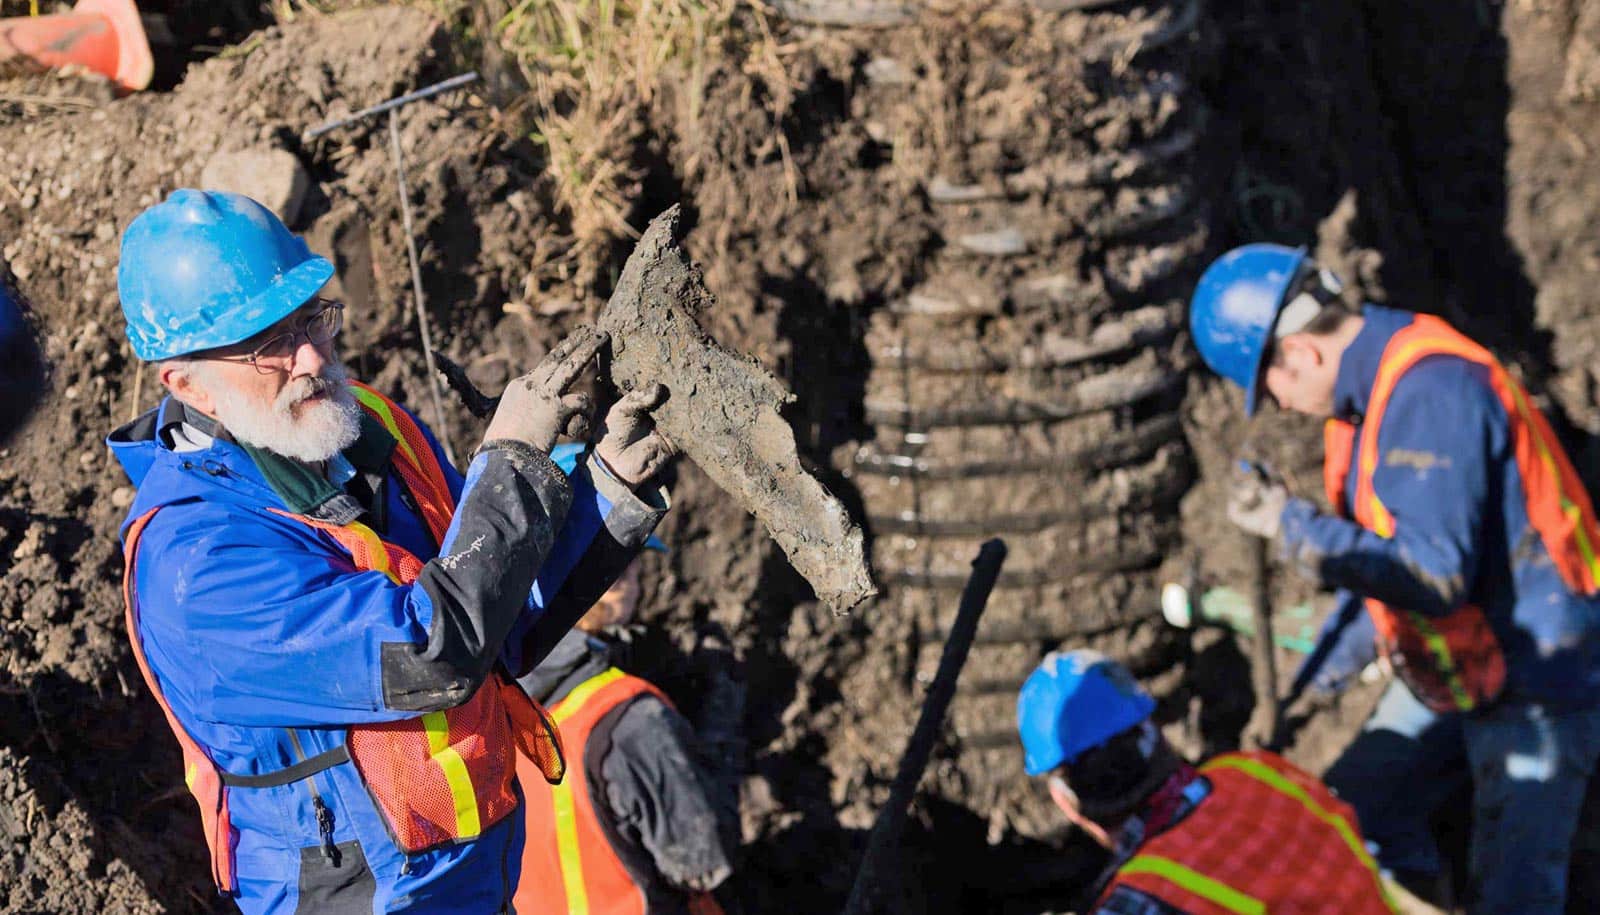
{"type": "Point", "coordinates": [1447, 473]}
{"type": "Point", "coordinates": [267, 645]}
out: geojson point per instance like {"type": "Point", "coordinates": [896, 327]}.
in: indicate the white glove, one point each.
{"type": "Point", "coordinates": [1256, 505]}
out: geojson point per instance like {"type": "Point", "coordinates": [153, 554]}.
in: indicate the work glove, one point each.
{"type": "Point", "coordinates": [536, 408]}
{"type": "Point", "coordinates": [1256, 504]}
{"type": "Point", "coordinates": [631, 446]}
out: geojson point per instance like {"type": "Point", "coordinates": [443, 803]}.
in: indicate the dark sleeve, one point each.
{"type": "Point", "coordinates": [661, 797]}
{"type": "Point", "coordinates": [1442, 433]}
{"type": "Point", "coordinates": [1125, 900]}
{"type": "Point", "coordinates": [628, 519]}
{"type": "Point", "coordinates": [512, 503]}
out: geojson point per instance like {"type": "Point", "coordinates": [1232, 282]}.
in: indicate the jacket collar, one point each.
{"type": "Point", "coordinates": [140, 446]}
{"type": "Point", "coordinates": [1358, 366]}
{"type": "Point", "coordinates": [304, 491]}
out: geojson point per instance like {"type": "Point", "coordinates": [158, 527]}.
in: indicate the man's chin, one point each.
{"type": "Point", "coordinates": [317, 429]}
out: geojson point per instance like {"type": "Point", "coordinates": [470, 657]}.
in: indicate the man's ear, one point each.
{"type": "Point", "coordinates": [177, 378]}
{"type": "Point", "coordinates": [1300, 352]}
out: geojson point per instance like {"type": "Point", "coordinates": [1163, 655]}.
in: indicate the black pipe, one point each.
{"type": "Point", "coordinates": [891, 821]}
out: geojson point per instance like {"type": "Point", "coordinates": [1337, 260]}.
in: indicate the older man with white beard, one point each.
{"type": "Point", "coordinates": [327, 612]}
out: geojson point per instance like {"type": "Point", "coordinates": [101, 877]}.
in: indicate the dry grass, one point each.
{"type": "Point", "coordinates": [597, 68]}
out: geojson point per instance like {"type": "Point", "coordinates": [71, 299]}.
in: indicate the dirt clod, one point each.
{"type": "Point", "coordinates": [723, 410]}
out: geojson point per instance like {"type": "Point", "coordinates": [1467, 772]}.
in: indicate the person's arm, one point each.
{"type": "Point", "coordinates": [627, 506]}
{"type": "Point", "coordinates": [265, 622]}
{"type": "Point", "coordinates": [606, 528]}
{"type": "Point", "coordinates": [657, 793]}
{"type": "Point", "coordinates": [1441, 438]}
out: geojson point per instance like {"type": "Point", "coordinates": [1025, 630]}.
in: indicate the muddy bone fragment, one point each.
{"type": "Point", "coordinates": [724, 413]}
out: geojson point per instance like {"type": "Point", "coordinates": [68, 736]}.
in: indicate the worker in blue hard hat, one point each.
{"type": "Point", "coordinates": [1460, 525]}
{"type": "Point", "coordinates": [329, 613]}
{"type": "Point", "coordinates": [646, 820]}
{"type": "Point", "coordinates": [22, 366]}
{"type": "Point", "coordinates": [1244, 832]}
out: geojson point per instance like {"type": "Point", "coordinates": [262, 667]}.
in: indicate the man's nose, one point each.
{"type": "Point", "coordinates": [308, 359]}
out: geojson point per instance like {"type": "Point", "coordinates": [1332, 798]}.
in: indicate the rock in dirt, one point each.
{"type": "Point", "coordinates": [273, 178]}
{"type": "Point", "coordinates": [724, 413]}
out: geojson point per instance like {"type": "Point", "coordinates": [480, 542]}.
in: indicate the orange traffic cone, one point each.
{"type": "Point", "coordinates": [105, 36]}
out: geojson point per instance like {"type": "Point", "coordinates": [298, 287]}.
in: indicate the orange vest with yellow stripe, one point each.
{"type": "Point", "coordinates": [1268, 838]}
{"type": "Point", "coordinates": [569, 866]}
{"type": "Point", "coordinates": [438, 778]}
{"type": "Point", "coordinates": [1454, 662]}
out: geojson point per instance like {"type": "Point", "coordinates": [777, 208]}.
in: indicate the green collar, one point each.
{"type": "Point", "coordinates": [306, 492]}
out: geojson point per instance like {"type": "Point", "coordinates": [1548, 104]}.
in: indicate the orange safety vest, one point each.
{"type": "Point", "coordinates": [1268, 838]}
{"type": "Point", "coordinates": [567, 845]}
{"type": "Point", "coordinates": [438, 778]}
{"type": "Point", "coordinates": [1454, 662]}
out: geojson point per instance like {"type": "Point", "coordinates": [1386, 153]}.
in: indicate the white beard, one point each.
{"type": "Point", "coordinates": [320, 431]}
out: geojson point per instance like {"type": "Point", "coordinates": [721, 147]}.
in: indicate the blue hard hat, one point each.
{"type": "Point", "coordinates": [1235, 307]}
{"type": "Point", "coordinates": [566, 457]}
{"type": "Point", "coordinates": [1074, 701]}
{"type": "Point", "coordinates": [205, 269]}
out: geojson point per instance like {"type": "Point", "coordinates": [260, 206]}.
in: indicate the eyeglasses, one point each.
{"type": "Point", "coordinates": [319, 327]}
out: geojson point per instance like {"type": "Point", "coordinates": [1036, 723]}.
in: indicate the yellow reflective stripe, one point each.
{"type": "Point", "coordinates": [1195, 882]}
{"type": "Point", "coordinates": [1568, 507]}
{"type": "Point", "coordinates": [455, 774]}
{"type": "Point", "coordinates": [566, 814]}
{"type": "Point", "coordinates": [1276, 780]}
{"type": "Point", "coordinates": [380, 407]}
{"type": "Point", "coordinates": [1447, 662]}
{"type": "Point", "coordinates": [580, 694]}
{"type": "Point", "coordinates": [1382, 521]}
{"type": "Point", "coordinates": [375, 549]}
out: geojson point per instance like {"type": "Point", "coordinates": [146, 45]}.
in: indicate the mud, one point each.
{"type": "Point", "coordinates": [724, 410]}
{"type": "Point", "coordinates": [962, 238]}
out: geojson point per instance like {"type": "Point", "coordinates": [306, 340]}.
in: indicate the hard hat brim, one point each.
{"type": "Point", "coordinates": [266, 308]}
{"type": "Point", "coordinates": [1252, 394]}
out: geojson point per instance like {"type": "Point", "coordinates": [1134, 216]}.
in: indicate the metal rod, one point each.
{"type": "Point", "coordinates": [454, 82]}
{"type": "Point", "coordinates": [886, 831]}
{"type": "Point", "coordinates": [1269, 712]}
{"type": "Point", "coordinates": [417, 298]}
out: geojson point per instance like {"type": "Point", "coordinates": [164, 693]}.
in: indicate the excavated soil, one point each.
{"type": "Point", "coordinates": [908, 224]}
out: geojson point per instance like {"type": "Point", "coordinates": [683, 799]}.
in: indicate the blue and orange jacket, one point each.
{"type": "Point", "coordinates": [268, 647]}
{"type": "Point", "coordinates": [1445, 469]}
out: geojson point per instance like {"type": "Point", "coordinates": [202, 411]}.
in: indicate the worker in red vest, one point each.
{"type": "Point", "coordinates": [1458, 522]}
{"type": "Point", "coordinates": [1244, 832]}
{"type": "Point", "coordinates": [641, 825]}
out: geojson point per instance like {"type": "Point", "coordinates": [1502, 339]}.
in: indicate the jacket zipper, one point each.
{"type": "Point", "coordinates": [324, 813]}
